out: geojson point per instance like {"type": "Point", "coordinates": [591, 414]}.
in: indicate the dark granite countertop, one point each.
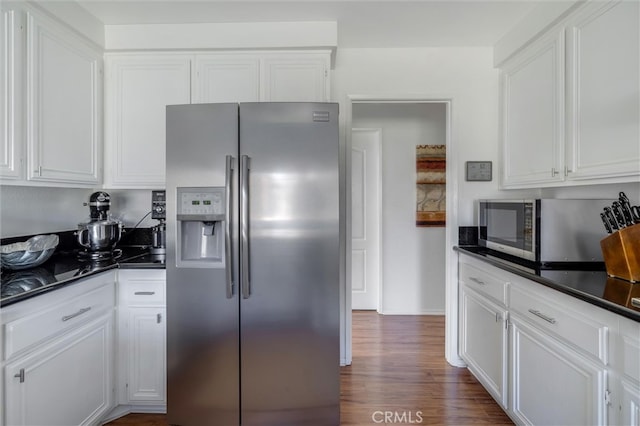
{"type": "Point", "coordinates": [66, 267]}
{"type": "Point", "coordinates": [586, 281]}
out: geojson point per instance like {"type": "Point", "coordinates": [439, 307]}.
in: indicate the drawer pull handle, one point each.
{"type": "Point", "coordinates": [477, 281]}
{"type": "Point", "coordinates": [635, 302]}
{"type": "Point", "coordinates": [20, 375]}
{"type": "Point", "coordinates": [80, 312]}
{"type": "Point", "coordinates": [543, 316]}
{"type": "Point", "coordinates": [144, 293]}
{"type": "Point", "coordinates": [159, 318]}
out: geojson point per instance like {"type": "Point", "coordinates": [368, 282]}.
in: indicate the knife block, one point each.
{"type": "Point", "coordinates": [621, 253]}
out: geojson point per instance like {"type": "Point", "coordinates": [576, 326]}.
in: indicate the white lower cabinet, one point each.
{"type": "Point", "coordinates": [67, 383]}
{"type": "Point", "coordinates": [626, 362]}
{"type": "Point", "coordinates": [142, 339]}
{"type": "Point", "coordinates": [561, 361]}
{"type": "Point", "coordinates": [146, 332]}
{"type": "Point", "coordinates": [551, 384]}
{"type": "Point", "coordinates": [484, 343]}
{"type": "Point", "coordinates": [483, 331]}
{"type": "Point", "coordinates": [57, 355]}
{"type": "Point", "coordinates": [629, 408]}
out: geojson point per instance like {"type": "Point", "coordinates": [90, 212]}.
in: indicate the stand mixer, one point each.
{"type": "Point", "coordinates": [100, 234]}
{"type": "Point", "coordinates": [158, 232]}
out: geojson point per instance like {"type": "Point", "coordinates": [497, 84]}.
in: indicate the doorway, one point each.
{"type": "Point", "coordinates": [413, 261]}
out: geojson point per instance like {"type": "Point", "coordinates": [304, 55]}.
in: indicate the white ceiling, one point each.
{"type": "Point", "coordinates": [398, 23]}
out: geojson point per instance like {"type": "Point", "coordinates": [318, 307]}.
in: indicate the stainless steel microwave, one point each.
{"type": "Point", "coordinates": [543, 230]}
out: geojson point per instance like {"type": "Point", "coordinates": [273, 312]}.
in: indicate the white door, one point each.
{"type": "Point", "coordinates": [365, 219]}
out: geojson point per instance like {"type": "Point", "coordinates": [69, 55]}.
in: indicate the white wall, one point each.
{"type": "Point", "coordinates": [465, 75]}
{"type": "Point", "coordinates": [131, 205]}
{"type": "Point", "coordinates": [413, 259]}
{"type": "Point", "coordinates": [26, 210]}
{"type": "Point", "coordinates": [37, 210]}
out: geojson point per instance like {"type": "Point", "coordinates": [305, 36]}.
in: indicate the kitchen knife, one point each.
{"type": "Point", "coordinates": [627, 210]}
{"type": "Point", "coordinates": [612, 219]}
{"type": "Point", "coordinates": [635, 212]}
{"type": "Point", "coordinates": [606, 223]}
{"type": "Point", "coordinates": [617, 212]}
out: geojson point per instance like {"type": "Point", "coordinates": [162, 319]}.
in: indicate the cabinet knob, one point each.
{"type": "Point", "coordinates": [20, 375]}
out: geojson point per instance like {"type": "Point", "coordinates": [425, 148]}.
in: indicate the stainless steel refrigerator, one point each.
{"type": "Point", "coordinates": [253, 264]}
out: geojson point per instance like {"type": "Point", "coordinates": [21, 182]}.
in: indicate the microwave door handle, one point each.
{"type": "Point", "coordinates": [228, 244]}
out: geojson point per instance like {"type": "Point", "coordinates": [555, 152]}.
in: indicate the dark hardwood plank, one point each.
{"type": "Point", "coordinates": [398, 368]}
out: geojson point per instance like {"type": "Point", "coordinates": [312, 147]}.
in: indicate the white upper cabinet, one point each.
{"type": "Point", "coordinates": [138, 89]}
{"type": "Point", "coordinates": [533, 114]}
{"type": "Point", "coordinates": [571, 101]}
{"type": "Point", "coordinates": [140, 85]}
{"type": "Point", "coordinates": [296, 78]}
{"type": "Point", "coordinates": [10, 75]}
{"type": "Point", "coordinates": [226, 78]}
{"type": "Point", "coordinates": [64, 104]}
{"type": "Point", "coordinates": [603, 53]}
{"type": "Point", "coordinates": [51, 109]}
{"type": "Point", "coordinates": [266, 76]}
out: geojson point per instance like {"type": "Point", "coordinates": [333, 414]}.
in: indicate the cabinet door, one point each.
{"type": "Point", "coordinates": [551, 384]}
{"type": "Point", "coordinates": [147, 365]}
{"type": "Point", "coordinates": [532, 86]}
{"type": "Point", "coordinates": [604, 91]}
{"type": "Point", "coordinates": [10, 79]}
{"type": "Point", "coordinates": [226, 78]}
{"type": "Point", "coordinates": [296, 78]}
{"type": "Point", "coordinates": [629, 404]}
{"type": "Point", "coordinates": [64, 104]}
{"type": "Point", "coordinates": [68, 383]}
{"type": "Point", "coordinates": [138, 89]}
{"type": "Point", "coordinates": [483, 342]}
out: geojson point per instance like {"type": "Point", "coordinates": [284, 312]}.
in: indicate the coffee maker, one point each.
{"type": "Point", "coordinates": [158, 232]}
{"type": "Point", "coordinates": [100, 233]}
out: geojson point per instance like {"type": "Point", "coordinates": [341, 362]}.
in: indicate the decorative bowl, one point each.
{"type": "Point", "coordinates": [27, 254]}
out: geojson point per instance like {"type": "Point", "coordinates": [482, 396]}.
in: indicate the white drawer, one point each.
{"type": "Point", "coordinates": [578, 328]}
{"type": "Point", "coordinates": [142, 287]}
{"type": "Point", "coordinates": [484, 282]}
{"type": "Point", "coordinates": [38, 327]}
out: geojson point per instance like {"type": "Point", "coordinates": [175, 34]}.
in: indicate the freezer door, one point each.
{"type": "Point", "coordinates": [202, 309]}
{"type": "Point", "coordinates": [290, 269]}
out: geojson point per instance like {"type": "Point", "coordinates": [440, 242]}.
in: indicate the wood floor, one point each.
{"type": "Point", "coordinates": [398, 377]}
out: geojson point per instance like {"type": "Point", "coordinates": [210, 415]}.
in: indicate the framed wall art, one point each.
{"type": "Point", "coordinates": [431, 184]}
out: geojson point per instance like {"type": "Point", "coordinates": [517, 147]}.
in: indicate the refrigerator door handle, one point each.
{"type": "Point", "coordinates": [228, 248]}
{"type": "Point", "coordinates": [244, 226]}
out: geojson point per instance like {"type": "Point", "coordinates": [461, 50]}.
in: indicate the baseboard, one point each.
{"type": "Point", "coordinates": [123, 410]}
{"type": "Point", "coordinates": [421, 312]}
